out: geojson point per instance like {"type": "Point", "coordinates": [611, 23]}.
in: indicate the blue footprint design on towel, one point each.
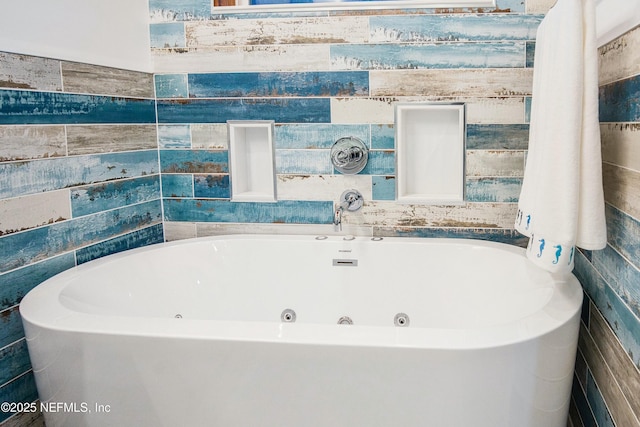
{"type": "Point", "coordinates": [573, 248]}
{"type": "Point", "coordinates": [558, 253]}
{"type": "Point", "coordinates": [528, 222]}
{"type": "Point", "coordinates": [541, 247]}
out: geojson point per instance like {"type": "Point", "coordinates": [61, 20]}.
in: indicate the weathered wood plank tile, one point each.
{"type": "Point", "coordinates": [22, 178]}
{"type": "Point", "coordinates": [620, 101]}
{"type": "Point", "coordinates": [95, 198]}
{"type": "Point", "coordinates": [179, 10]}
{"type": "Point", "coordinates": [497, 137]}
{"type": "Point", "coordinates": [384, 187]}
{"type": "Point", "coordinates": [620, 58]}
{"type": "Point", "coordinates": [303, 57]}
{"type": "Point", "coordinates": [15, 284]}
{"type": "Point", "coordinates": [500, 82]}
{"type": "Point", "coordinates": [20, 249]}
{"type": "Point", "coordinates": [440, 55]}
{"type": "Point", "coordinates": [621, 144]}
{"type": "Point", "coordinates": [607, 385]}
{"type": "Point", "coordinates": [136, 239]}
{"type": "Point", "coordinates": [214, 186]}
{"type": "Point", "coordinates": [20, 389]}
{"type": "Point", "coordinates": [621, 188]}
{"type": "Point", "coordinates": [539, 6]}
{"type": "Point", "coordinates": [93, 139]}
{"type": "Point", "coordinates": [321, 135]}
{"type": "Point", "coordinates": [489, 110]}
{"type": "Point", "coordinates": [31, 142]}
{"type": "Point", "coordinates": [171, 86]}
{"type": "Point", "coordinates": [179, 230]}
{"type": "Point", "coordinates": [209, 136]}
{"type": "Point", "coordinates": [438, 27]}
{"type": "Point", "coordinates": [619, 316]}
{"type": "Point", "coordinates": [15, 359]}
{"type": "Point", "coordinates": [28, 107]}
{"type": "Point", "coordinates": [623, 233]}
{"type": "Point", "coordinates": [194, 161]}
{"type": "Point", "coordinates": [174, 136]}
{"type": "Point", "coordinates": [470, 215]}
{"type": "Point", "coordinates": [623, 369]}
{"type": "Point", "coordinates": [302, 84]}
{"type": "Point", "coordinates": [620, 275]}
{"type": "Point", "coordinates": [99, 80]}
{"type": "Point", "coordinates": [493, 189]}
{"type": "Point", "coordinates": [25, 212]}
{"type": "Point", "coordinates": [283, 211]}
{"type": "Point", "coordinates": [213, 229]}
{"type": "Point", "coordinates": [29, 72]}
{"type": "Point", "coordinates": [347, 29]}
{"type": "Point", "coordinates": [283, 110]}
{"type": "Point", "coordinates": [167, 35]}
{"type": "Point", "coordinates": [321, 187]}
{"type": "Point", "coordinates": [494, 163]}
{"type": "Point", "coordinates": [177, 185]}
{"type": "Point", "coordinates": [501, 235]}
{"type": "Point", "coordinates": [303, 162]}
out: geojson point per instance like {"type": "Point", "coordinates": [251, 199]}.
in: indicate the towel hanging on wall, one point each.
{"type": "Point", "coordinates": [561, 204]}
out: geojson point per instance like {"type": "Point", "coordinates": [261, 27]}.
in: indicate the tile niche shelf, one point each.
{"type": "Point", "coordinates": [430, 144]}
{"type": "Point", "coordinates": [252, 161]}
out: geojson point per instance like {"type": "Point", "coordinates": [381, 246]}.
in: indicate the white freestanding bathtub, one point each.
{"type": "Point", "coordinates": [242, 331]}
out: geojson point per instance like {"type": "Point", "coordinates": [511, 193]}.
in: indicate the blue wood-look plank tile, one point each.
{"type": "Point", "coordinates": [15, 284]}
{"type": "Point", "coordinates": [114, 194]}
{"type": "Point", "coordinates": [177, 185]}
{"type": "Point", "coordinates": [501, 235]}
{"type": "Point", "coordinates": [383, 137]}
{"type": "Point", "coordinates": [531, 53]}
{"type": "Point", "coordinates": [506, 190]}
{"type": "Point", "coordinates": [179, 10]}
{"type": "Point", "coordinates": [281, 212]}
{"type": "Point", "coordinates": [167, 35]}
{"type": "Point", "coordinates": [194, 161]}
{"type": "Point", "coordinates": [297, 136]}
{"type": "Point", "coordinates": [27, 107]}
{"type": "Point", "coordinates": [623, 234]}
{"type": "Point", "coordinates": [279, 84]}
{"type": "Point", "coordinates": [15, 361]}
{"type": "Point", "coordinates": [622, 320]}
{"type": "Point", "coordinates": [21, 178]}
{"type": "Point", "coordinates": [137, 239]}
{"type": "Point", "coordinates": [303, 162]}
{"type": "Point", "coordinates": [174, 136]}
{"type": "Point", "coordinates": [620, 101]}
{"type": "Point", "coordinates": [582, 404]}
{"type": "Point", "coordinates": [380, 163]}
{"type": "Point", "coordinates": [212, 186]}
{"type": "Point", "coordinates": [171, 86]}
{"type": "Point", "coordinates": [282, 110]}
{"type": "Point", "coordinates": [11, 330]}
{"type": "Point", "coordinates": [21, 389]}
{"type": "Point", "coordinates": [20, 249]}
{"type": "Point", "coordinates": [597, 403]}
{"type": "Point", "coordinates": [497, 136]}
{"type": "Point", "coordinates": [441, 27]}
{"type": "Point", "coordinates": [441, 55]}
{"type": "Point", "coordinates": [623, 277]}
{"type": "Point", "coordinates": [384, 187]}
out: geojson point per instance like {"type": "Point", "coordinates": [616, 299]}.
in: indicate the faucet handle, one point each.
{"type": "Point", "coordinates": [352, 199]}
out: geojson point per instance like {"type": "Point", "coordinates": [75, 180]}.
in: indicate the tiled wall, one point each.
{"type": "Point", "coordinates": [322, 76]}
{"type": "Point", "coordinates": [79, 179]}
{"type": "Point", "coordinates": [607, 386]}
{"type": "Point", "coordinates": [79, 164]}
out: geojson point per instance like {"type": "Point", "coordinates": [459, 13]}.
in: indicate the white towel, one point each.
{"type": "Point", "coordinates": [561, 205]}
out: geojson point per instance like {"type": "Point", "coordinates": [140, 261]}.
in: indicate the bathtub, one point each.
{"type": "Point", "coordinates": [259, 331]}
